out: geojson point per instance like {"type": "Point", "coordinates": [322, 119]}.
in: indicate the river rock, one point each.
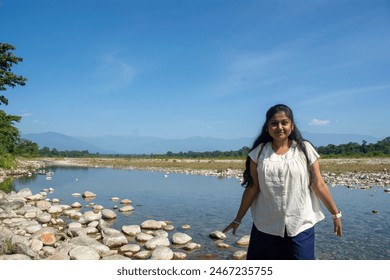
{"type": "Point", "coordinates": [108, 214]}
{"type": "Point", "coordinates": [191, 246]}
{"type": "Point", "coordinates": [46, 235]}
{"type": "Point", "coordinates": [179, 256]}
{"type": "Point", "coordinates": [15, 257]}
{"type": "Point", "coordinates": [133, 248]}
{"type": "Point", "coordinates": [142, 255]}
{"type": "Point", "coordinates": [126, 201]}
{"type": "Point", "coordinates": [131, 230]}
{"type": "Point", "coordinates": [98, 207]}
{"type": "Point", "coordinates": [217, 235]}
{"type": "Point", "coordinates": [180, 238]}
{"type": "Point", "coordinates": [239, 255]}
{"type": "Point", "coordinates": [162, 253]}
{"type": "Point", "coordinates": [54, 209]}
{"type": "Point", "coordinates": [76, 205]}
{"type": "Point", "coordinates": [153, 224]}
{"type": "Point", "coordinates": [43, 205]}
{"type": "Point", "coordinates": [143, 237]}
{"type": "Point", "coordinates": [186, 227]}
{"type": "Point", "coordinates": [115, 257]}
{"type": "Point", "coordinates": [113, 238]}
{"type": "Point", "coordinates": [160, 232]}
{"type": "Point", "coordinates": [244, 241]}
{"type": "Point", "coordinates": [169, 227]}
{"type": "Point", "coordinates": [20, 248]}
{"type": "Point", "coordinates": [156, 241]}
{"type": "Point", "coordinates": [35, 197]}
{"type": "Point", "coordinates": [90, 216]}
{"type": "Point", "coordinates": [89, 194]}
{"type": "Point", "coordinates": [83, 253]}
{"type": "Point", "coordinates": [223, 245]}
{"type": "Point", "coordinates": [126, 208]}
{"type": "Point", "coordinates": [84, 240]}
{"type": "Point", "coordinates": [24, 193]}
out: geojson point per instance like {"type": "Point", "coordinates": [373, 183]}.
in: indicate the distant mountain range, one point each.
{"type": "Point", "coordinates": [111, 144]}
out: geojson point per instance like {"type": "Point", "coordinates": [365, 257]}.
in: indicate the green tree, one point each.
{"type": "Point", "coordinates": [7, 77]}
{"type": "Point", "coordinates": [9, 134]}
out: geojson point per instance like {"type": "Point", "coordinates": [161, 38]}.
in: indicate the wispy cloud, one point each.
{"type": "Point", "coordinates": [114, 71]}
{"type": "Point", "coordinates": [318, 122]}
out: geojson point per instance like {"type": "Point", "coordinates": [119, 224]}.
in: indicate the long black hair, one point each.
{"type": "Point", "coordinates": [265, 137]}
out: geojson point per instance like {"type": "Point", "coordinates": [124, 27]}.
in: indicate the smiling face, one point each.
{"type": "Point", "coordinates": [280, 126]}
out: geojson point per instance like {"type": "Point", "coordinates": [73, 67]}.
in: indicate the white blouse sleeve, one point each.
{"type": "Point", "coordinates": [254, 154]}
{"type": "Point", "coordinates": [311, 153]}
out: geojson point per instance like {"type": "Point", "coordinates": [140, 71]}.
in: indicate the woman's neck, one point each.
{"type": "Point", "coordinates": [281, 147]}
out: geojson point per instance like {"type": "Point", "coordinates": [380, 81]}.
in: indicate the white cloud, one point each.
{"type": "Point", "coordinates": [318, 122]}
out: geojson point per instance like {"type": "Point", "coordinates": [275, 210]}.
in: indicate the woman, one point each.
{"type": "Point", "coordinates": [283, 185]}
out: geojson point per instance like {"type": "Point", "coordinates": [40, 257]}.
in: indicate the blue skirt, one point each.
{"type": "Point", "coordinates": [263, 246]}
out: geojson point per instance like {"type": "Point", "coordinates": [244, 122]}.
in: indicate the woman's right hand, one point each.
{"type": "Point", "coordinates": [233, 225]}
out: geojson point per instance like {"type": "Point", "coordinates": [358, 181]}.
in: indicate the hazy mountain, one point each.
{"type": "Point", "coordinates": [147, 145]}
{"type": "Point", "coordinates": [61, 142]}
{"type": "Point", "coordinates": [156, 145]}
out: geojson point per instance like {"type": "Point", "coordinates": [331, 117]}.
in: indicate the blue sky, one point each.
{"type": "Point", "coordinates": [176, 69]}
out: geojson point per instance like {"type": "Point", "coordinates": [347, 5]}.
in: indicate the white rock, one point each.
{"type": "Point", "coordinates": [113, 238]}
{"type": "Point", "coordinates": [126, 208]}
{"type": "Point", "coordinates": [156, 241]}
{"type": "Point", "coordinates": [142, 255]}
{"type": "Point", "coordinates": [54, 209]}
{"type": "Point", "coordinates": [217, 235]}
{"type": "Point", "coordinates": [90, 216]}
{"type": "Point", "coordinates": [162, 253]}
{"type": "Point", "coordinates": [181, 238]}
{"type": "Point", "coordinates": [133, 248]}
{"type": "Point", "coordinates": [76, 205]}
{"type": "Point", "coordinates": [126, 201]}
{"type": "Point", "coordinates": [244, 241]}
{"type": "Point", "coordinates": [131, 230]}
{"type": "Point", "coordinates": [191, 246]}
{"type": "Point", "coordinates": [43, 205]}
{"type": "Point", "coordinates": [153, 224]}
{"type": "Point", "coordinates": [160, 232]}
{"type": "Point", "coordinates": [179, 256]}
{"type": "Point", "coordinates": [83, 253]}
{"type": "Point", "coordinates": [108, 214]}
{"type": "Point", "coordinates": [239, 255]}
{"type": "Point", "coordinates": [143, 237]}
{"type": "Point", "coordinates": [89, 194]}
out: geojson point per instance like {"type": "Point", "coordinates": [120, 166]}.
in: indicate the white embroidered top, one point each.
{"type": "Point", "coordinates": [286, 201]}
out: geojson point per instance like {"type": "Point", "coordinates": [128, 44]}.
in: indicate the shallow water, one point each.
{"type": "Point", "coordinates": [210, 203]}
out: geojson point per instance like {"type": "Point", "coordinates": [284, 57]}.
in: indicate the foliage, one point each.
{"type": "Point", "coordinates": [9, 134]}
{"type": "Point", "coordinates": [46, 152]}
{"type": "Point", "coordinates": [9, 138]}
{"type": "Point", "coordinates": [27, 148]}
{"type": "Point", "coordinates": [381, 148]}
{"type": "Point", "coordinates": [7, 77]}
{"type": "Point", "coordinates": [7, 185]}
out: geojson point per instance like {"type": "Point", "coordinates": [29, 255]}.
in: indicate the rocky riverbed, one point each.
{"type": "Point", "coordinates": [34, 227]}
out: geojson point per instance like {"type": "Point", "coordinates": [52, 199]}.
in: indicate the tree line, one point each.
{"type": "Point", "coordinates": [380, 149]}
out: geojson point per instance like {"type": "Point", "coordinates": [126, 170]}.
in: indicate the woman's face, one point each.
{"type": "Point", "coordinates": [280, 126]}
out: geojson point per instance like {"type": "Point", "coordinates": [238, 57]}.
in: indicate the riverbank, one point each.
{"type": "Point", "coordinates": [351, 172]}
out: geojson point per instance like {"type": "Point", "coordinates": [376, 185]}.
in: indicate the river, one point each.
{"type": "Point", "coordinates": [210, 203]}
